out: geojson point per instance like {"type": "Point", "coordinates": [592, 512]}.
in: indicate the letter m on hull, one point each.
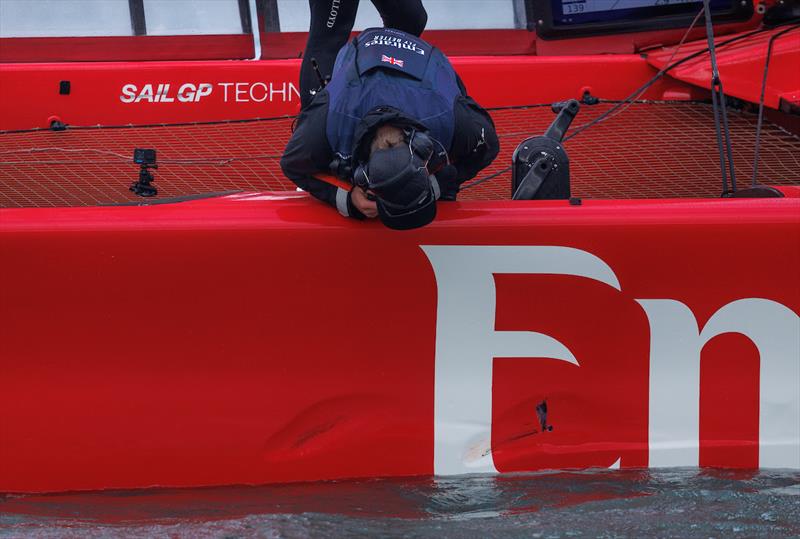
{"type": "Point", "coordinates": [675, 347]}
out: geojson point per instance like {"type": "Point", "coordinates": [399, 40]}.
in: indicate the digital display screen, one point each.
{"type": "Point", "coordinates": [567, 19]}
{"type": "Point", "coordinates": [588, 6]}
{"type": "Point", "coordinates": [578, 12]}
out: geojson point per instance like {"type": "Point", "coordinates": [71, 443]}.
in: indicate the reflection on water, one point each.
{"type": "Point", "coordinates": [653, 503]}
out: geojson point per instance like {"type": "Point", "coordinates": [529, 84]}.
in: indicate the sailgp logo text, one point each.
{"type": "Point", "coordinates": [191, 92]}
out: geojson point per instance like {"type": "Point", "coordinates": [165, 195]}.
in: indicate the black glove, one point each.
{"type": "Point", "coordinates": [448, 185]}
{"type": "Point", "coordinates": [352, 211]}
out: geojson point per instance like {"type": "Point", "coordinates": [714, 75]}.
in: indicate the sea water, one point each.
{"type": "Point", "coordinates": [608, 503]}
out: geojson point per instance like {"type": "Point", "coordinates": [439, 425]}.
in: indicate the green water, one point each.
{"type": "Point", "coordinates": [653, 503]}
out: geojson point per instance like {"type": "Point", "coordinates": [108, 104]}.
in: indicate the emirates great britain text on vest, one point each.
{"type": "Point", "coordinates": [391, 41]}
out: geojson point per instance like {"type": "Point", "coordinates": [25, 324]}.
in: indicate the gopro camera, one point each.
{"type": "Point", "coordinates": [145, 157]}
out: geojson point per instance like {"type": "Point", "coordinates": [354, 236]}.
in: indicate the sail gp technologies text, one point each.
{"type": "Point", "coordinates": [231, 92]}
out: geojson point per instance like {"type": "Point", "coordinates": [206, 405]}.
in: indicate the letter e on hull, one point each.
{"type": "Point", "coordinates": [467, 343]}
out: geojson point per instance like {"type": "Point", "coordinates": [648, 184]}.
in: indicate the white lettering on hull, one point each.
{"type": "Point", "coordinates": [232, 92]}
{"type": "Point", "coordinates": [675, 347]}
{"type": "Point", "coordinates": [467, 343]}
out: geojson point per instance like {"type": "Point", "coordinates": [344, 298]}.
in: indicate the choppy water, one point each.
{"type": "Point", "coordinates": [654, 503]}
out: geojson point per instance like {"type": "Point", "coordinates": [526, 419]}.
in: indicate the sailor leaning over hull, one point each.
{"type": "Point", "coordinates": [397, 124]}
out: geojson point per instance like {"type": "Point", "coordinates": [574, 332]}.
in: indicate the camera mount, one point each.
{"type": "Point", "coordinates": [146, 159]}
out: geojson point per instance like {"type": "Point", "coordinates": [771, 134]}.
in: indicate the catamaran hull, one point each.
{"type": "Point", "coordinates": [255, 339]}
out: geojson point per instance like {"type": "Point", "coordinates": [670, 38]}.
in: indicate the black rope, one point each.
{"type": "Point", "coordinates": [137, 126]}
{"type": "Point", "coordinates": [633, 95]}
{"type": "Point", "coordinates": [187, 161]}
{"type": "Point", "coordinates": [761, 100]}
{"type": "Point", "coordinates": [718, 104]}
{"type": "Point", "coordinates": [655, 79]}
{"type": "Point", "coordinates": [657, 76]}
{"type": "Point", "coordinates": [486, 178]}
{"type": "Point", "coordinates": [625, 103]}
{"type": "Point", "coordinates": [520, 107]}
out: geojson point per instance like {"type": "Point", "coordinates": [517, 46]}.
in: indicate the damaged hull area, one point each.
{"type": "Point", "coordinates": [218, 341]}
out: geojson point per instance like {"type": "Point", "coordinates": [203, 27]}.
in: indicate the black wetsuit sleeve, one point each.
{"type": "Point", "coordinates": [475, 144]}
{"type": "Point", "coordinates": [308, 153]}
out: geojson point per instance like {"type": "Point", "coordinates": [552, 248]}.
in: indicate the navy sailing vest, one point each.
{"type": "Point", "coordinates": [384, 67]}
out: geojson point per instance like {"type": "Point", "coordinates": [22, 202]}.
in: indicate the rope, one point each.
{"type": "Point", "coordinates": [761, 100]}
{"type": "Point", "coordinates": [215, 161]}
{"type": "Point", "coordinates": [638, 92]}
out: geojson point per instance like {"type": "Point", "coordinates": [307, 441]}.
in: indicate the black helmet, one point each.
{"type": "Point", "coordinates": [400, 178]}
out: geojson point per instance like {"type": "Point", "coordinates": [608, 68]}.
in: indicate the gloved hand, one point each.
{"type": "Point", "coordinates": [360, 204]}
{"type": "Point", "coordinates": [446, 176]}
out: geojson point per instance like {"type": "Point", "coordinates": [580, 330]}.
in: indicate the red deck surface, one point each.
{"type": "Point", "coordinates": [741, 66]}
{"type": "Point", "coordinates": [650, 150]}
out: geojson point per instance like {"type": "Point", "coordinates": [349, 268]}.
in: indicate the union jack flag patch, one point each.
{"type": "Point", "coordinates": [392, 60]}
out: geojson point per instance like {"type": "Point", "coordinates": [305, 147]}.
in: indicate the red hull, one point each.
{"type": "Point", "coordinates": [244, 341]}
{"type": "Point", "coordinates": [260, 338]}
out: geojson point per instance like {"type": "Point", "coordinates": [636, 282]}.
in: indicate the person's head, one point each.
{"type": "Point", "coordinates": [398, 172]}
{"type": "Point", "coordinates": [387, 136]}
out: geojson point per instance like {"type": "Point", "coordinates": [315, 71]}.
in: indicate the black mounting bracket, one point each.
{"type": "Point", "coordinates": [143, 186]}
{"type": "Point", "coordinates": [540, 166]}
{"type": "Point", "coordinates": [146, 159]}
